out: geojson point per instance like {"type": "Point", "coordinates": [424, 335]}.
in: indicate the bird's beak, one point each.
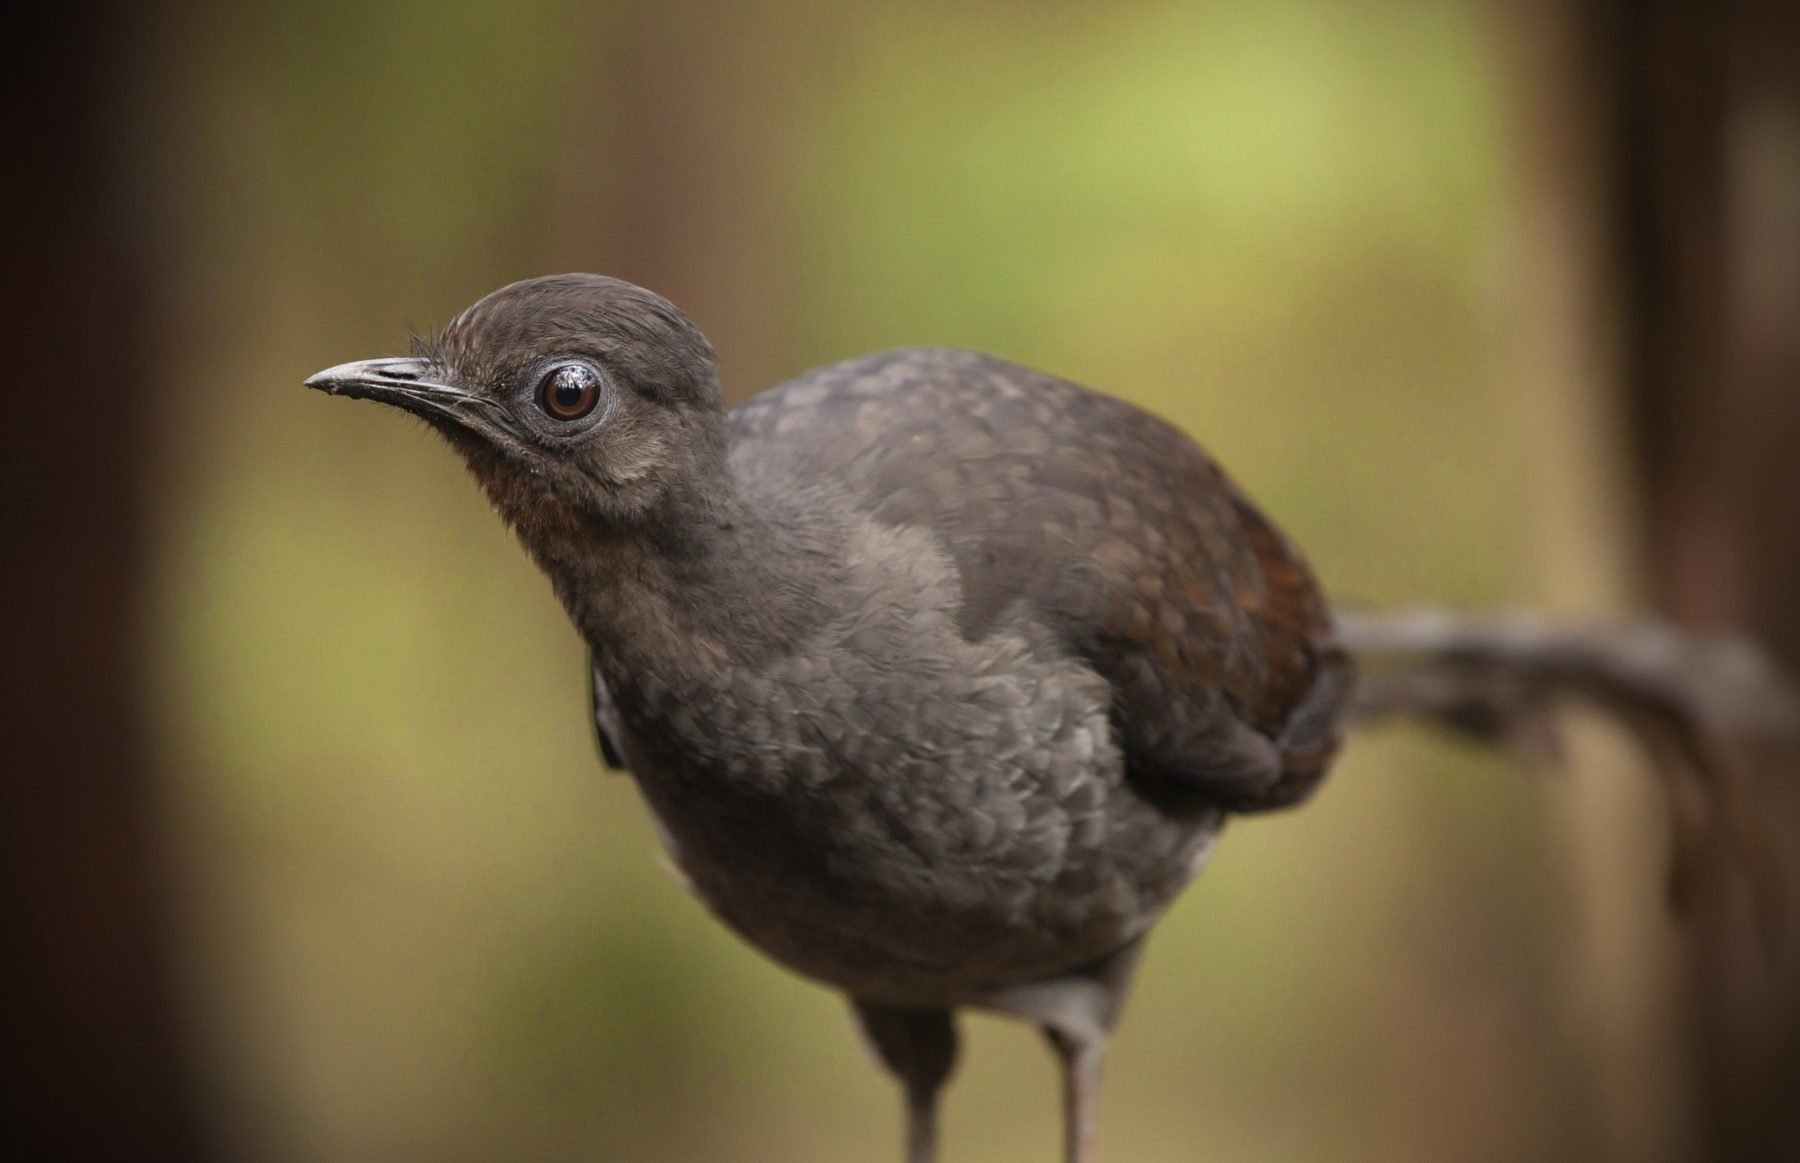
{"type": "Point", "coordinates": [405, 382]}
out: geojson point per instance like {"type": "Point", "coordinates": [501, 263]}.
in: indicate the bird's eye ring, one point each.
{"type": "Point", "coordinates": [569, 391]}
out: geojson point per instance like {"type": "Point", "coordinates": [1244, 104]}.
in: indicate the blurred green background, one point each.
{"type": "Point", "coordinates": [417, 920]}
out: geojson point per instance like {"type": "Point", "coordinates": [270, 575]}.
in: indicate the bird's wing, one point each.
{"type": "Point", "coordinates": [1106, 525]}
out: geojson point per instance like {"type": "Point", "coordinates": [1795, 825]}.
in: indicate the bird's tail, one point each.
{"type": "Point", "coordinates": [1709, 713]}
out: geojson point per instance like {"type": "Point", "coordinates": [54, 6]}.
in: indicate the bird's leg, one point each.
{"type": "Point", "coordinates": [1076, 1012]}
{"type": "Point", "coordinates": [1078, 1053]}
{"type": "Point", "coordinates": [921, 1125]}
{"type": "Point", "coordinates": [919, 1046]}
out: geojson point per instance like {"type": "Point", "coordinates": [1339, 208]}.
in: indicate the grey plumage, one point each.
{"type": "Point", "coordinates": [940, 675]}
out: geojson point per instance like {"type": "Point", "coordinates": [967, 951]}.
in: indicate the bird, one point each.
{"type": "Point", "coordinates": [940, 676]}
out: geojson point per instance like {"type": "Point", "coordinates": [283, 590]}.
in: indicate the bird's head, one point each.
{"type": "Point", "coordinates": [575, 400]}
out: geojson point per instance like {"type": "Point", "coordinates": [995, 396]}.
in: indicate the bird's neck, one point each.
{"type": "Point", "coordinates": [707, 581]}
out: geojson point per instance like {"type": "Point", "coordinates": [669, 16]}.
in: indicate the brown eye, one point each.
{"type": "Point", "coordinates": [569, 392]}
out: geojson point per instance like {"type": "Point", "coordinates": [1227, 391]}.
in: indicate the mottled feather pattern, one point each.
{"type": "Point", "coordinates": [960, 805]}
{"type": "Point", "coordinates": [1042, 596]}
{"type": "Point", "coordinates": [1106, 524]}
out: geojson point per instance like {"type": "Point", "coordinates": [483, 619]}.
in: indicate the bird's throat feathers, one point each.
{"type": "Point", "coordinates": [695, 567]}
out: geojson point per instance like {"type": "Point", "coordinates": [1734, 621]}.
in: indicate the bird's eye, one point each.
{"type": "Point", "coordinates": [569, 392]}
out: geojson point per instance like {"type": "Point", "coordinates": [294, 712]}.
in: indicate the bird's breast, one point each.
{"type": "Point", "coordinates": [890, 798]}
